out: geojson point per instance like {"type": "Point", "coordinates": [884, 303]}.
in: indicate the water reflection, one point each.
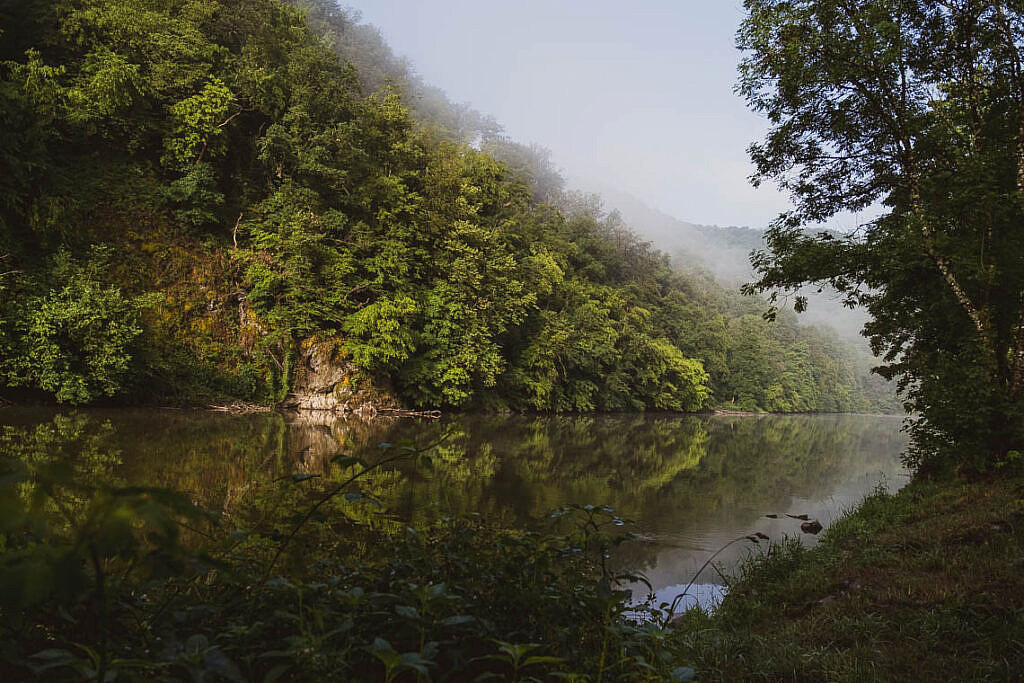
{"type": "Point", "coordinates": [706, 595]}
{"type": "Point", "coordinates": [692, 484]}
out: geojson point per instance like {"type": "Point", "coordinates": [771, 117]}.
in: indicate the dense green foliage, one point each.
{"type": "Point", "coordinates": [918, 106]}
{"type": "Point", "coordinates": [76, 339]}
{"type": "Point", "coordinates": [190, 190]}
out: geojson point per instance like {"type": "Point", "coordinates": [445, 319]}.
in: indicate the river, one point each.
{"type": "Point", "coordinates": [688, 484]}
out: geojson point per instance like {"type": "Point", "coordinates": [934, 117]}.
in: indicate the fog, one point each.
{"type": "Point", "coordinates": [724, 251]}
{"type": "Point", "coordinates": [638, 96]}
{"type": "Point", "coordinates": [631, 101]}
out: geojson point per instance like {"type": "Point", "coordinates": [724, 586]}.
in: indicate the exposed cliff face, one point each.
{"type": "Point", "coordinates": [325, 381]}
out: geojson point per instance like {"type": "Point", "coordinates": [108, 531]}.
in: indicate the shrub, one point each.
{"type": "Point", "coordinates": [75, 335]}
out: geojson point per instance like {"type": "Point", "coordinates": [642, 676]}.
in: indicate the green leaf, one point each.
{"type": "Point", "coordinates": [53, 655]}
{"type": "Point", "coordinates": [357, 497]}
{"type": "Point", "coordinates": [530, 661]}
{"type": "Point", "coordinates": [413, 660]}
{"type": "Point", "coordinates": [381, 645]}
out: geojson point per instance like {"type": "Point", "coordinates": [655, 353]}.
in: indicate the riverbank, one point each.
{"type": "Point", "coordinates": [924, 584]}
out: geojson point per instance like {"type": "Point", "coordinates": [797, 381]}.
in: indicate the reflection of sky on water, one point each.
{"type": "Point", "coordinates": [675, 599]}
{"type": "Point", "coordinates": [674, 563]}
{"type": "Point", "coordinates": [707, 596]}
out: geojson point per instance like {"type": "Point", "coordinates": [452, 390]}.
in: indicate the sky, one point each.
{"type": "Point", "coordinates": [637, 95]}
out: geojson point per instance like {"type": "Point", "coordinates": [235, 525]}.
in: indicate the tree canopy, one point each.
{"type": "Point", "coordinates": [916, 108]}
{"type": "Point", "coordinates": [191, 191]}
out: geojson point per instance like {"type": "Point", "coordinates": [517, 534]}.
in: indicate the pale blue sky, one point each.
{"type": "Point", "coordinates": [637, 95]}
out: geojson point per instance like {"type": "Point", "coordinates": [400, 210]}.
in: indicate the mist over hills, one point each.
{"type": "Point", "coordinates": [724, 252]}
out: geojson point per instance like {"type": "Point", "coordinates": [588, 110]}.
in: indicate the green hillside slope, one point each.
{"type": "Point", "coordinates": [194, 192]}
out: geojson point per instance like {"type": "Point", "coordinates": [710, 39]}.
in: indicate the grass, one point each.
{"type": "Point", "coordinates": [925, 584]}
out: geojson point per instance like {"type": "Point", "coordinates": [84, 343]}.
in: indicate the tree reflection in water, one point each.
{"type": "Point", "coordinates": [690, 483]}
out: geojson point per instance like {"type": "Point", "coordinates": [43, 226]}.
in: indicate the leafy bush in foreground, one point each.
{"type": "Point", "coordinates": [101, 581]}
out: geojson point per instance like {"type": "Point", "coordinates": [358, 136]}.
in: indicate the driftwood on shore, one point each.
{"type": "Point", "coordinates": [365, 411]}
{"type": "Point", "coordinates": [400, 412]}
{"type": "Point", "coordinates": [362, 411]}
{"type": "Point", "coordinates": [240, 408]}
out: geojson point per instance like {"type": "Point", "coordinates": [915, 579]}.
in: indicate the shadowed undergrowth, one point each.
{"type": "Point", "coordinates": [306, 578]}
{"type": "Point", "coordinates": [924, 584]}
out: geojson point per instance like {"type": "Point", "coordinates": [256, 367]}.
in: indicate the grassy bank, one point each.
{"type": "Point", "coordinates": [925, 584]}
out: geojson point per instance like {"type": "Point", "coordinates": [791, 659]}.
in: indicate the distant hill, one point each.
{"type": "Point", "coordinates": [724, 252]}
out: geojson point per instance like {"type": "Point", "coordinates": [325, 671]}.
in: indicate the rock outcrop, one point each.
{"type": "Point", "coordinates": [323, 380]}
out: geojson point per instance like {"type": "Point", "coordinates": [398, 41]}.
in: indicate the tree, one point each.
{"type": "Point", "coordinates": [918, 105]}
{"type": "Point", "coordinates": [77, 339]}
{"type": "Point", "coordinates": [274, 174]}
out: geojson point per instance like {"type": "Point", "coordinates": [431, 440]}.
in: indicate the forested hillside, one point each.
{"type": "Point", "coordinates": [191, 192]}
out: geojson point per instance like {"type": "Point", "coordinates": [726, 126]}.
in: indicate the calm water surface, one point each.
{"type": "Point", "coordinates": [691, 484]}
